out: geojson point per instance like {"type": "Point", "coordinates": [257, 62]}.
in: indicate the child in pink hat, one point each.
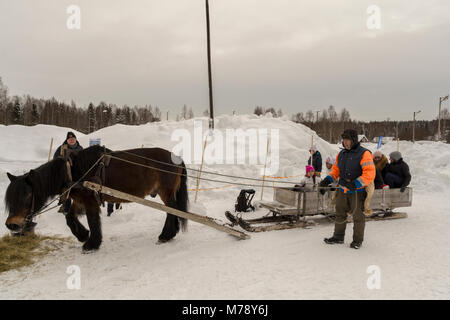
{"type": "Point", "coordinates": [310, 181]}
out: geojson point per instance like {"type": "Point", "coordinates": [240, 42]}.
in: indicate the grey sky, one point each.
{"type": "Point", "coordinates": [289, 54]}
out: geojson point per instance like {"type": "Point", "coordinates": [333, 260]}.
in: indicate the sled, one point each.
{"type": "Point", "coordinates": [208, 221]}
{"type": "Point", "coordinates": [293, 209]}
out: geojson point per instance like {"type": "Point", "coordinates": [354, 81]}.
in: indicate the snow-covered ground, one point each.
{"type": "Point", "coordinates": [413, 254]}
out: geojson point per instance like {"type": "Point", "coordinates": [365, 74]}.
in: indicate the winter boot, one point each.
{"type": "Point", "coordinates": [333, 240]}
{"type": "Point", "coordinates": [355, 245]}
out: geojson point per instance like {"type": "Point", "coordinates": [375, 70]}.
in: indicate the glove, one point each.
{"type": "Point", "coordinates": [349, 185]}
{"type": "Point", "coordinates": [402, 189]}
{"type": "Point", "coordinates": [322, 185]}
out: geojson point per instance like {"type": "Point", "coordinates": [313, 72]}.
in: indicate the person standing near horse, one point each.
{"type": "Point", "coordinates": [354, 170]}
{"type": "Point", "coordinates": [316, 160]}
{"type": "Point", "coordinates": [70, 144]}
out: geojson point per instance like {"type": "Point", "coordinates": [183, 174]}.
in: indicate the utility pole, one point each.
{"type": "Point", "coordinates": [211, 103]}
{"type": "Point", "coordinates": [441, 99]}
{"type": "Point", "coordinates": [414, 125]}
{"type": "Point", "coordinates": [317, 116]}
{"type": "Point", "coordinates": [167, 115]}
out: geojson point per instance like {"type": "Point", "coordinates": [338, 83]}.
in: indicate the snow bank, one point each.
{"type": "Point", "coordinates": [203, 263]}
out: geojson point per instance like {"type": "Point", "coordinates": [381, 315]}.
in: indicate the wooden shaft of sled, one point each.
{"type": "Point", "coordinates": [50, 150]}
{"type": "Point", "coordinates": [152, 204]}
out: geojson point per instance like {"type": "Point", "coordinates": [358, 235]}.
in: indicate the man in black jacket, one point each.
{"type": "Point", "coordinates": [396, 173]}
{"type": "Point", "coordinates": [70, 144]}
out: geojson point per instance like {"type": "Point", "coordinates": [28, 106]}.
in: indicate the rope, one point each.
{"type": "Point", "coordinates": [189, 176]}
{"type": "Point", "coordinates": [214, 188]}
{"type": "Point", "coordinates": [42, 210]}
{"type": "Point", "coordinates": [209, 172]}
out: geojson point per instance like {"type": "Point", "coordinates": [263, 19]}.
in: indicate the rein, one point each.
{"type": "Point", "coordinates": [29, 218]}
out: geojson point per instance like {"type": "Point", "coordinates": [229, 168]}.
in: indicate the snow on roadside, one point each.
{"type": "Point", "coordinates": [203, 263]}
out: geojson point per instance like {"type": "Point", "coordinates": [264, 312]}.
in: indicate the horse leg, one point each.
{"type": "Point", "coordinates": [172, 225]}
{"type": "Point", "coordinates": [78, 230]}
{"type": "Point", "coordinates": [95, 227]}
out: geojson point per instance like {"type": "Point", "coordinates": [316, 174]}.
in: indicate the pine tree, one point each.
{"type": "Point", "coordinates": [17, 115]}
{"type": "Point", "coordinates": [34, 115]}
{"type": "Point", "coordinates": [91, 118]}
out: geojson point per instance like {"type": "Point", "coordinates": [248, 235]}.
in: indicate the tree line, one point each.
{"type": "Point", "coordinates": [330, 123]}
{"type": "Point", "coordinates": [28, 111]}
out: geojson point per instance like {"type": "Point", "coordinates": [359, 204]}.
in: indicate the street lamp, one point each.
{"type": "Point", "coordinates": [414, 124]}
{"type": "Point", "coordinates": [441, 99]}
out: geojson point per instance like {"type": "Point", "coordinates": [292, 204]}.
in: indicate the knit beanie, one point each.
{"type": "Point", "coordinates": [396, 155]}
{"type": "Point", "coordinates": [309, 168]}
{"type": "Point", "coordinates": [377, 154]}
{"type": "Point", "coordinates": [70, 134]}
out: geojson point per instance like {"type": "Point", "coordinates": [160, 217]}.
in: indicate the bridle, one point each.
{"type": "Point", "coordinates": [66, 190]}
{"type": "Point", "coordinates": [65, 194]}
{"type": "Point", "coordinates": [30, 216]}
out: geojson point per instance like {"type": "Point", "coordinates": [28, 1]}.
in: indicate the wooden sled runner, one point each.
{"type": "Point", "coordinates": [211, 222]}
{"type": "Point", "coordinates": [291, 209]}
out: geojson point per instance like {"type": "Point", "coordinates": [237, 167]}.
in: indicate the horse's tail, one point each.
{"type": "Point", "coordinates": [182, 197]}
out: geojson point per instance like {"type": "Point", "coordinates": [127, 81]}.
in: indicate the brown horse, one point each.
{"type": "Point", "coordinates": [140, 172]}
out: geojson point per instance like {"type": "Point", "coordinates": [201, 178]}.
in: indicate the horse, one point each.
{"type": "Point", "coordinates": [139, 172]}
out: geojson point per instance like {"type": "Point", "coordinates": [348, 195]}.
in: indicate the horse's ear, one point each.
{"type": "Point", "coordinates": [30, 177]}
{"type": "Point", "coordinates": [11, 177]}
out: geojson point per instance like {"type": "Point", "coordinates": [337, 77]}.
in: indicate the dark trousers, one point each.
{"type": "Point", "coordinates": [67, 205]}
{"type": "Point", "coordinates": [111, 207]}
{"type": "Point", "coordinates": [354, 204]}
{"type": "Point", "coordinates": [393, 180]}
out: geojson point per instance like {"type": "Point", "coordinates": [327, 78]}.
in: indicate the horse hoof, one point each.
{"type": "Point", "coordinates": [88, 251]}
{"type": "Point", "coordinates": [89, 248]}
{"type": "Point", "coordinates": [162, 240]}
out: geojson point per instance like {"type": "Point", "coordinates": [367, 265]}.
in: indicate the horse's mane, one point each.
{"type": "Point", "coordinates": [84, 159]}
{"type": "Point", "coordinates": [45, 181]}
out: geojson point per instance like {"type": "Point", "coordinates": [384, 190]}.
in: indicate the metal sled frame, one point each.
{"type": "Point", "coordinates": [290, 209]}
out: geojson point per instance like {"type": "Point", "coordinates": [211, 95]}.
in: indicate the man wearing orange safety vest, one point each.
{"type": "Point", "coordinates": [353, 170]}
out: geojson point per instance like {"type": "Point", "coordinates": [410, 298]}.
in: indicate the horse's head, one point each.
{"type": "Point", "coordinates": [19, 200]}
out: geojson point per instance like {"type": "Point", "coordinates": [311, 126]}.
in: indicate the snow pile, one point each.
{"type": "Point", "coordinates": [203, 263]}
{"type": "Point", "coordinates": [20, 143]}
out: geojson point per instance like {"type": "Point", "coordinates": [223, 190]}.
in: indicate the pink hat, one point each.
{"type": "Point", "coordinates": [309, 168]}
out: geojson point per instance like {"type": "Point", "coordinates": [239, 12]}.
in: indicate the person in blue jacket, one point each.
{"type": "Point", "coordinates": [316, 161]}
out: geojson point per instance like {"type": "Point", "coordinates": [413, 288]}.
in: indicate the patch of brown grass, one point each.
{"type": "Point", "coordinates": [18, 252]}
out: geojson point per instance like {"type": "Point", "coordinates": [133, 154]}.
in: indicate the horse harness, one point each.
{"type": "Point", "coordinates": [99, 175]}
{"type": "Point", "coordinates": [66, 190]}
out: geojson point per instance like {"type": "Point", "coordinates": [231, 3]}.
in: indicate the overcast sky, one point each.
{"type": "Point", "coordinates": [290, 54]}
